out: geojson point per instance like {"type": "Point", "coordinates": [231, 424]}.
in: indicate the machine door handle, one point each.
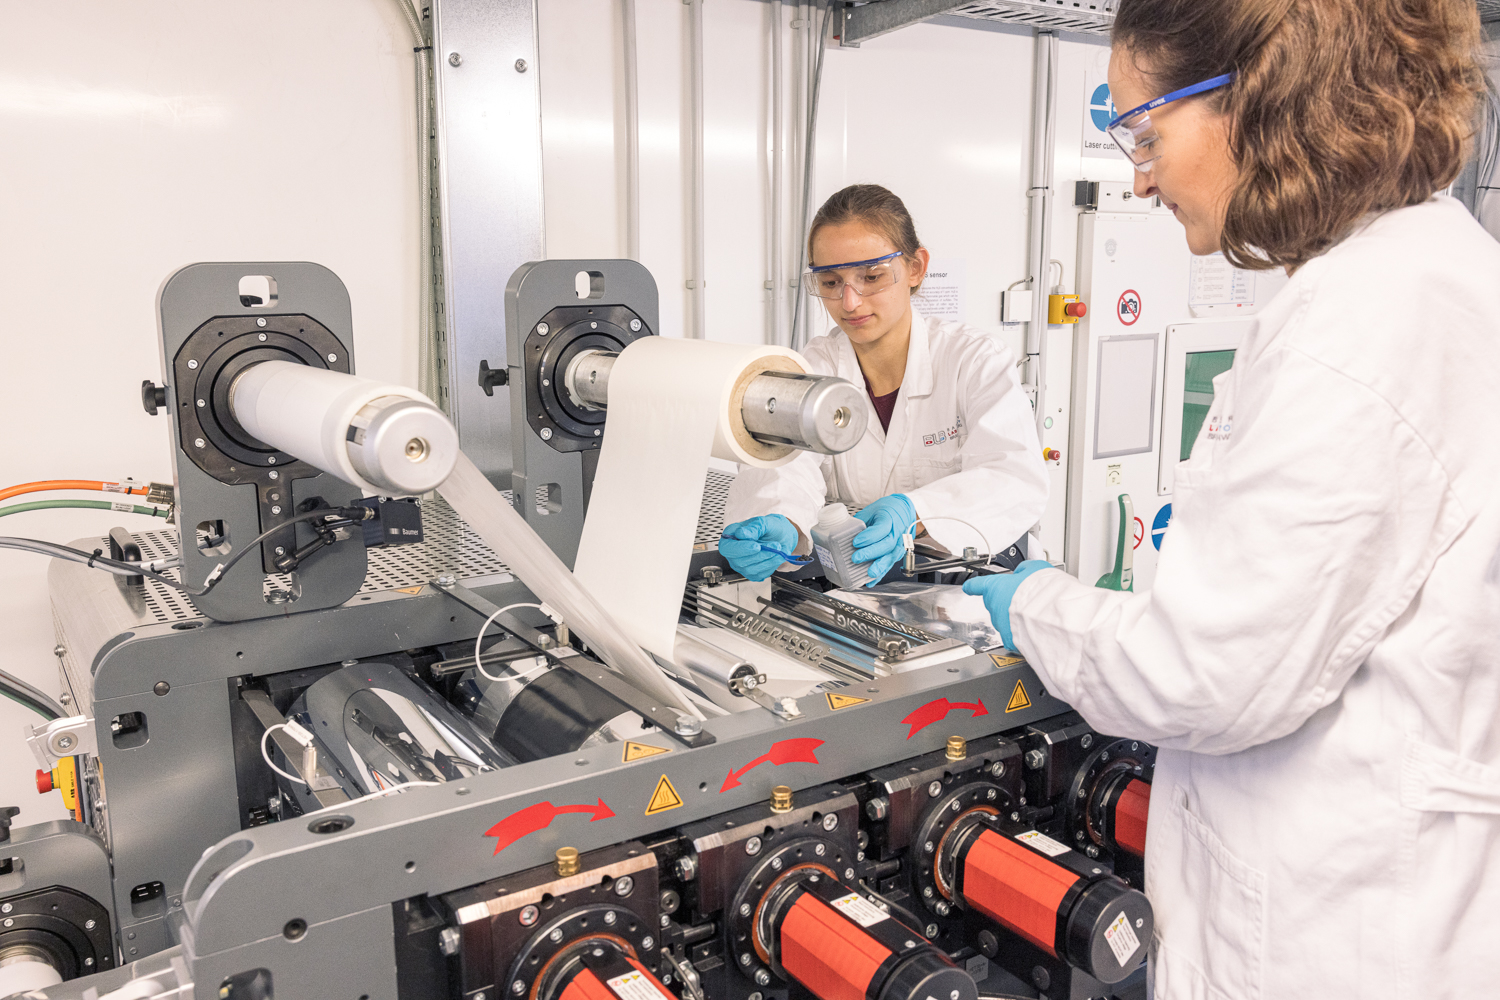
{"type": "Point", "coordinates": [1122, 576]}
{"type": "Point", "coordinates": [153, 396]}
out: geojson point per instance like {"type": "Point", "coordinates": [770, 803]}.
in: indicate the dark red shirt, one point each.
{"type": "Point", "coordinates": [884, 405]}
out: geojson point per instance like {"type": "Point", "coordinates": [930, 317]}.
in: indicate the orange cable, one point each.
{"type": "Point", "coordinates": [70, 484]}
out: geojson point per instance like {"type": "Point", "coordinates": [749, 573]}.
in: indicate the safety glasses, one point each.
{"type": "Point", "coordinates": [866, 277]}
{"type": "Point", "coordinates": [1138, 138]}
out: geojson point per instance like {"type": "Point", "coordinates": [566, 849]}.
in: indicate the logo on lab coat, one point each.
{"type": "Point", "coordinates": [928, 440]}
{"type": "Point", "coordinates": [1219, 430]}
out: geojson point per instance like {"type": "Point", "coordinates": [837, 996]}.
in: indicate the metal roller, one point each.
{"type": "Point", "coordinates": [818, 413]}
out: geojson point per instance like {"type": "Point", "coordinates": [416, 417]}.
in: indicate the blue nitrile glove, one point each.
{"type": "Point", "coordinates": [880, 544]}
{"type": "Point", "coordinates": [744, 545]}
{"type": "Point", "coordinates": [999, 589]}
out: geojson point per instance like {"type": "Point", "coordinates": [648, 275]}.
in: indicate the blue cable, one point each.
{"type": "Point", "coordinates": [794, 560]}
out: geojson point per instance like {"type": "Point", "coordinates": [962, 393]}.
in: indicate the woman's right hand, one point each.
{"type": "Point", "coordinates": [745, 545]}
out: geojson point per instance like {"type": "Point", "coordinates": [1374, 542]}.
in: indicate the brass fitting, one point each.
{"type": "Point", "coordinates": [781, 799]}
{"type": "Point", "coordinates": [566, 862]}
{"type": "Point", "coordinates": [958, 748]}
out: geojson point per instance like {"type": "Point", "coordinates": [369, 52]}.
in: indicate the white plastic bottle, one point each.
{"type": "Point", "coordinates": [833, 541]}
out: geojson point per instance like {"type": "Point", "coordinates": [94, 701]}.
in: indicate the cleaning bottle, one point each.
{"type": "Point", "coordinates": [833, 541]}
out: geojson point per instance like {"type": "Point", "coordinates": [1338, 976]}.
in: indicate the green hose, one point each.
{"type": "Point", "coordinates": [97, 504]}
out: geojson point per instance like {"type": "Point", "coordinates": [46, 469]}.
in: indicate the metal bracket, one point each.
{"type": "Point", "coordinates": [874, 19]}
{"type": "Point", "coordinates": [66, 737]}
{"type": "Point", "coordinates": [682, 728]}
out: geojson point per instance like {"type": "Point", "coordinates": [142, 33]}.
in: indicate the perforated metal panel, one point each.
{"type": "Point", "coordinates": [448, 546]}
{"type": "Point", "coordinates": [1489, 10]}
{"type": "Point", "coordinates": [1092, 17]}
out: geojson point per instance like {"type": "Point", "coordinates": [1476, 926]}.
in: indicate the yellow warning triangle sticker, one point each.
{"type": "Point", "coordinates": [1005, 661]}
{"type": "Point", "coordinates": [1018, 699]}
{"type": "Point", "coordinates": [838, 701]}
{"type": "Point", "coordinates": [408, 590]}
{"type": "Point", "coordinates": [665, 797]}
{"type": "Point", "coordinates": [638, 751]}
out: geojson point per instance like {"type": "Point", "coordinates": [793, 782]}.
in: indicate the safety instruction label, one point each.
{"type": "Point", "coordinates": [663, 798]}
{"type": "Point", "coordinates": [634, 986]}
{"type": "Point", "coordinates": [1042, 842]}
{"type": "Point", "coordinates": [838, 701]}
{"type": "Point", "coordinates": [1122, 939]}
{"type": "Point", "coordinates": [1018, 699]}
{"type": "Point", "coordinates": [1006, 661]}
{"type": "Point", "coordinates": [409, 590]}
{"type": "Point", "coordinates": [860, 910]}
{"type": "Point", "coordinates": [640, 751]}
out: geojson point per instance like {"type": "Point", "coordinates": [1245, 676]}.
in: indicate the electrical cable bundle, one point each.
{"type": "Point", "coordinates": [24, 694]}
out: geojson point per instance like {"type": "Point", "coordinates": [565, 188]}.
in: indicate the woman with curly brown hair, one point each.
{"type": "Point", "coordinates": [1318, 658]}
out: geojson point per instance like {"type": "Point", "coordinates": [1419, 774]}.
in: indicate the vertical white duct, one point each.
{"type": "Point", "coordinates": [817, 30]}
{"type": "Point", "coordinates": [777, 334]}
{"type": "Point", "coordinates": [1039, 248]}
{"type": "Point", "coordinates": [632, 134]}
{"type": "Point", "coordinates": [697, 328]}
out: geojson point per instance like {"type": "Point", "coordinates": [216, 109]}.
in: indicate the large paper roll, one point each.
{"type": "Point", "coordinates": [672, 405]}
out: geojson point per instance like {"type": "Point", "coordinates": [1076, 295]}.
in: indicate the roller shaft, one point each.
{"type": "Point", "coordinates": [813, 412]}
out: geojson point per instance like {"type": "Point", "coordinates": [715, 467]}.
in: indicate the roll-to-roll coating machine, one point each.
{"type": "Point", "coordinates": [304, 778]}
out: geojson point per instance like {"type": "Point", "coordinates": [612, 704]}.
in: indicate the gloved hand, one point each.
{"type": "Point", "coordinates": [999, 589]}
{"type": "Point", "coordinates": [880, 544]}
{"type": "Point", "coordinates": [742, 545]}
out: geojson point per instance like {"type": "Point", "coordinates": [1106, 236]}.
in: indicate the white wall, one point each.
{"type": "Point", "coordinates": [142, 137]}
{"type": "Point", "coordinates": [168, 132]}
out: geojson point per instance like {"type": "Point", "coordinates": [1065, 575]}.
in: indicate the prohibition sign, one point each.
{"type": "Point", "coordinates": [1129, 308]}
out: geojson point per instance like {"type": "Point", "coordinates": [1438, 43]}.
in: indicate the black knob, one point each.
{"type": "Point", "coordinates": [491, 377]}
{"type": "Point", "coordinates": [153, 396]}
{"type": "Point", "coordinates": [6, 813]}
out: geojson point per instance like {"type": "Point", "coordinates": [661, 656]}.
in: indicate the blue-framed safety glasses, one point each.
{"type": "Point", "coordinates": [866, 277]}
{"type": "Point", "coordinates": [1138, 138]}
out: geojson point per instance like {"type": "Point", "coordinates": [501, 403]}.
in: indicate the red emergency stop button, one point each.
{"type": "Point", "coordinates": [1051, 455]}
{"type": "Point", "coordinates": [1077, 310]}
{"type": "Point", "coordinates": [43, 782]}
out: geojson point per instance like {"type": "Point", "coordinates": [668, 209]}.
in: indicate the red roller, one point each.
{"type": "Point", "coordinates": [1017, 887]}
{"type": "Point", "coordinates": [1130, 817]}
{"type": "Point", "coordinates": [827, 953]}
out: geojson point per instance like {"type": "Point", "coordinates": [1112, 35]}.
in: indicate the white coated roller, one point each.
{"type": "Point", "coordinates": [672, 404]}
{"type": "Point", "coordinates": [384, 438]}
{"type": "Point", "coordinates": [21, 973]}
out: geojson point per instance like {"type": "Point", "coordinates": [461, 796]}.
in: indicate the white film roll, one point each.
{"type": "Point", "coordinates": [309, 412]}
{"type": "Point", "coordinates": [672, 405]}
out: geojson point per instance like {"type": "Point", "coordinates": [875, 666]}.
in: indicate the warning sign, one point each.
{"type": "Point", "coordinates": [1129, 308]}
{"type": "Point", "coordinates": [838, 701]}
{"type": "Point", "coordinates": [1018, 699]}
{"type": "Point", "coordinates": [665, 797]}
{"type": "Point", "coordinates": [640, 751]}
{"type": "Point", "coordinates": [409, 590]}
{"type": "Point", "coordinates": [1005, 661]}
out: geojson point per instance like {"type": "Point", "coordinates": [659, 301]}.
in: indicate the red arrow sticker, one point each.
{"type": "Point", "coordinates": [538, 817]}
{"type": "Point", "coordinates": [803, 751]}
{"type": "Point", "coordinates": [937, 711]}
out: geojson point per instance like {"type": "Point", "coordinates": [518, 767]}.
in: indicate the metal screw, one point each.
{"type": "Point", "coordinates": [597, 432]}
{"type": "Point", "coordinates": [757, 995]}
{"type": "Point", "coordinates": [454, 59]}
{"type": "Point", "coordinates": [333, 357]}
{"type": "Point", "coordinates": [446, 580]}
{"type": "Point", "coordinates": [990, 795]}
{"type": "Point", "coordinates": [745, 958]}
{"type": "Point", "coordinates": [529, 915]}
{"type": "Point", "coordinates": [275, 509]}
{"type": "Point", "coordinates": [776, 864]}
{"type": "Point", "coordinates": [556, 935]}
{"type": "Point", "coordinates": [546, 381]}
{"type": "Point", "coordinates": [635, 326]}
{"type": "Point", "coordinates": [1104, 756]}
{"type": "Point", "coordinates": [520, 65]}
{"type": "Point", "coordinates": [927, 892]}
{"type": "Point", "coordinates": [848, 874]}
{"type": "Point", "coordinates": [193, 363]}
{"type": "Point", "coordinates": [623, 885]}
{"type": "Point", "coordinates": [610, 918]}
{"type": "Point", "coordinates": [666, 920]}
{"type": "Point", "coordinates": [7, 908]}
{"type": "Point", "coordinates": [1139, 921]}
{"type": "Point", "coordinates": [1087, 741]}
{"type": "Point", "coordinates": [744, 909]}
{"type": "Point", "coordinates": [942, 908]}
{"type": "Point", "coordinates": [955, 805]}
{"type": "Point", "coordinates": [752, 846]}
{"type": "Point", "coordinates": [687, 725]}
{"type": "Point", "coordinates": [648, 942]}
{"type": "Point", "coordinates": [997, 768]}
{"type": "Point", "coordinates": [1035, 759]}
{"type": "Point", "coordinates": [10, 922]}
{"type": "Point", "coordinates": [261, 322]}
{"type": "Point", "coordinates": [543, 329]}
{"type": "Point", "coordinates": [202, 403]}
{"type": "Point", "coordinates": [1092, 851]}
{"type": "Point", "coordinates": [831, 822]}
{"type": "Point", "coordinates": [927, 847]}
{"type": "Point", "coordinates": [687, 868]}
{"type": "Point", "coordinates": [1015, 817]}
{"type": "Point", "coordinates": [448, 941]}
{"type": "Point", "coordinates": [1135, 746]}
{"type": "Point", "coordinates": [1078, 835]}
{"type": "Point", "coordinates": [762, 977]}
{"type": "Point", "coordinates": [65, 742]}
{"type": "Point", "coordinates": [546, 434]}
{"type": "Point", "coordinates": [88, 925]}
{"type": "Point", "coordinates": [931, 930]}
{"type": "Point", "coordinates": [275, 474]}
{"type": "Point", "coordinates": [878, 808]}
{"type": "Point", "coordinates": [516, 987]}
{"type": "Point", "coordinates": [281, 550]}
{"type": "Point", "coordinates": [820, 850]}
{"type": "Point", "coordinates": [198, 442]}
{"type": "Point", "coordinates": [161, 688]}
{"type": "Point", "coordinates": [271, 460]}
{"type": "Point", "coordinates": [935, 789]}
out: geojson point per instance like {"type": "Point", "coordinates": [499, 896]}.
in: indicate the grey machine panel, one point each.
{"type": "Point", "coordinates": [226, 487]}
{"type": "Point", "coordinates": [489, 176]}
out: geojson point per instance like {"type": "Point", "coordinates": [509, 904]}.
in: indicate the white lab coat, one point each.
{"type": "Point", "coordinates": [1320, 655]}
{"type": "Point", "coordinates": [962, 443]}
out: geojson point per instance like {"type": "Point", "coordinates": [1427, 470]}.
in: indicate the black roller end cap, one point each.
{"type": "Point", "coordinates": [1109, 930]}
{"type": "Point", "coordinates": [926, 975]}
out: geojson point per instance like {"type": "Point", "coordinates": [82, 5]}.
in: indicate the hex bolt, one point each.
{"type": "Point", "coordinates": [935, 789]}
{"type": "Point", "coordinates": [624, 885]}
{"type": "Point", "coordinates": [930, 930]}
{"type": "Point", "coordinates": [448, 941]}
{"type": "Point", "coordinates": [446, 580]}
{"type": "Point", "coordinates": [752, 846]}
{"type": "Point", "coordinates": [687, 867]}
{"type": "Point", "coordinates": [831, 822]}
{"type": "Point", "coordinates": [878, 808]}
{"type": "Point", "coordinates": [1035, 759]}
{"type": "Point", "coordinates": [529, 915]}
{"type": "Point", "coordinates": [454, 59]}
{"type": "Point", "coordinates": [520, 65]}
